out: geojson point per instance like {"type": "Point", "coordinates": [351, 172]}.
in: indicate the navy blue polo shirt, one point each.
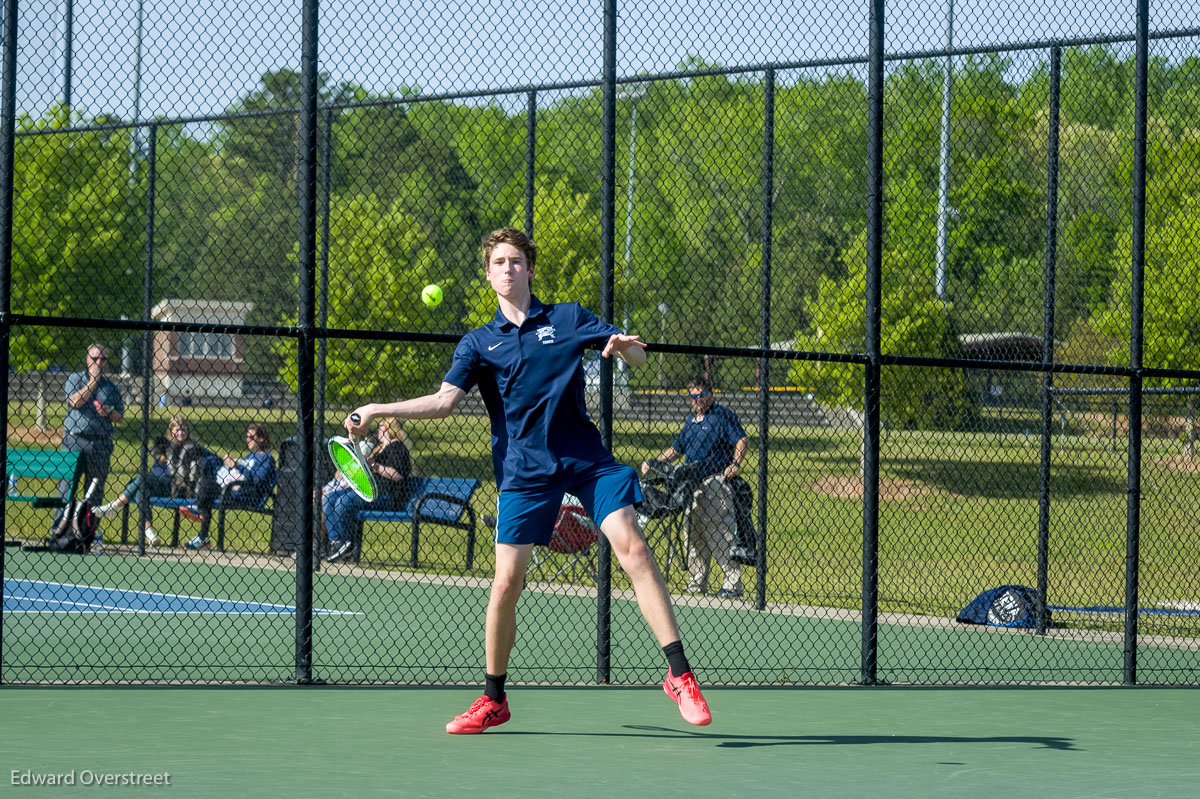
{"type": "Point", "coordinates": [531, 381]}
{"type": "Point", "coordinates": [711, 440]}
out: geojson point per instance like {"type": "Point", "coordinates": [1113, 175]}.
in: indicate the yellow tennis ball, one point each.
{"type": "Point", "coordinates": [431, 295]}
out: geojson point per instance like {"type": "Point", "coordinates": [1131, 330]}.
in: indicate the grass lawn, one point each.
{"type": "Point", "coordinates": [958, 511]}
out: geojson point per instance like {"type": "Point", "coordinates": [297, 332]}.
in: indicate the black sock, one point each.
{"type": "Point", "coordinates": [493, 688]}
{"type": "Point", "coordinates": [677, 661]}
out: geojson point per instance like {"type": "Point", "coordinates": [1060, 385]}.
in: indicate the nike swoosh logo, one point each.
{"type": "Point", "coordinates": [494, 346]}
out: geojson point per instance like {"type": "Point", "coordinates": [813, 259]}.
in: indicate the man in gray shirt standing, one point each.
{"type": "Point", "coordinates": [94, 405]}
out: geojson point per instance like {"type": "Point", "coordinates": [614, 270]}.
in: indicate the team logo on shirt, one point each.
{"type": "Point", "coordinates": [545, 334]}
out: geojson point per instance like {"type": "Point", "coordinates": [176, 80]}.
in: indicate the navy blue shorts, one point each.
{"type": "Point", "coordinates": [527, 515]}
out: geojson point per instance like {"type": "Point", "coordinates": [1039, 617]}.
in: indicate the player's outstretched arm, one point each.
{"type": "Point", "coordinates": [430, 406]}
{"type": "Point", "coordinates": [630, 349]}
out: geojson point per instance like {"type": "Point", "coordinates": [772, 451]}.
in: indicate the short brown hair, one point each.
{"type": "Point", "coordinates": [262, 433]}
{"type": "Point", "coordinates": [512, 236]}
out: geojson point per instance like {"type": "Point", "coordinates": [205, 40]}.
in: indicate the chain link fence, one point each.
{"type": "Point", "coordinates": [939, 260]}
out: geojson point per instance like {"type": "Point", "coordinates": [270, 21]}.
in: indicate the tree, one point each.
{"type": "Point", "coordinates": [1171, 325]}
{"type": "Point", "coordinates": [568, 265]}
{"type": "Point", "coordinates": [77, 237]}
{"type": "Point", "coordinates": [379, 151]}
{"type": "Point", "coordinates": [270, 143]}
{"type": "Point", "coordinates": [914, 323]}
{"type": "Point", "coordinates": [384, 259]}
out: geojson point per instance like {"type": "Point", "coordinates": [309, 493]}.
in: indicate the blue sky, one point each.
{"type": "Point", "coordinates": [200, 56]}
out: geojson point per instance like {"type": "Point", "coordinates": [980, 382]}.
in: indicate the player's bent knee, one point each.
{"type": "Point", "coordinates": [633, 555]}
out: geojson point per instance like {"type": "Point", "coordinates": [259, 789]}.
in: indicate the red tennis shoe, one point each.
{"type": "Point", "coordinates": [686, 692]}
{"type": "Point", "coordinates": [483, 714]}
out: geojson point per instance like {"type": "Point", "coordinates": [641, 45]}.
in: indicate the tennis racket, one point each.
{"type": "Point", "coordinates": [350, 462]}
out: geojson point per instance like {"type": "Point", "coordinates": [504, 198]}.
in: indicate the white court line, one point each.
{"type": "Point", "coordinates": [280, 609]}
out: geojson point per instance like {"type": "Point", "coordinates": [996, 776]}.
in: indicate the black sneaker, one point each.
{"type": "Point", "coordinates": [340, 550]}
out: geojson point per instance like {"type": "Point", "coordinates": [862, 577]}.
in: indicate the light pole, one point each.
{"type": "Point", "coordinates": [943, 210]}
{"type": "Point", "coordinates": [69, 47]}
{"type": "Point", "coordinates": [137, 92]}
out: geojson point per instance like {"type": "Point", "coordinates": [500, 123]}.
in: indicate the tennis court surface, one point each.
{"type": "Point", "coordinates": [601, 742]}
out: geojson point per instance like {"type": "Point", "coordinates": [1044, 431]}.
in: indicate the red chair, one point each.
{"type": "Point", "coordinates": [571, 551]}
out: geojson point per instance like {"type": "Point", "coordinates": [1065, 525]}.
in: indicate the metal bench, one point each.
{"type": "Point", "coordinates": [221, 506]}
{"type": "Point", "coordinates": [444, 501]}
{"type": "Point", "coordinates": [43, 464]}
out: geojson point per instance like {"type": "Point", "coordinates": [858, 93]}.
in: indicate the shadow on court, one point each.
{"type": "Point", "coordinates": [749, 741]}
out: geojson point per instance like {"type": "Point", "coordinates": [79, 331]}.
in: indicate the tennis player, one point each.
{"type": "Point", "coordinates": [527, 363]}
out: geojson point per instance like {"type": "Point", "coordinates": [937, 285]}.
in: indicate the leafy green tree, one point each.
{"type": "Point", "coordinates": [77, 236]}
{"type": "Point", "coordinates": [914, 323]}
{"type": "Point", "coordinates": [379, 151]}
{"type": "Point", "coordinates": [568, 265]}
{"type": "Point", "coordinates": [384, 259]}
{"type": "Point", "coordinates": [269, 143]}
{"type": "Point", "coordinates": [490, 146]}
{"type": "Point", "coordinates": [1171, 326]}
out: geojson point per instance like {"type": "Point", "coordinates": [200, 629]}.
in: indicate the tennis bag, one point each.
{"type": "Point", "coordinates": [745, 539]}
{"type": "Point", "coordinates": [668, 488]}
{"type": "Point", "coordinates": [1005, 606]}
{"type": "Point", "coordinates": [73, 529]}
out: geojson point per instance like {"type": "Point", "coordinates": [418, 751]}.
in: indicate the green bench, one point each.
{"type": "Point", "coordinates": [43, 464]}
{"type": "Point", "coordinates": [26, 465]}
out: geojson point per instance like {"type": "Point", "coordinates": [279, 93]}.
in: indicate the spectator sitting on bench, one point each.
{"type": "Point", "coordinates": [249, 479]}
{"type": "Point", "coordinates": [391, 463]}
{"type": "Point", "coordinates": [186, 474]}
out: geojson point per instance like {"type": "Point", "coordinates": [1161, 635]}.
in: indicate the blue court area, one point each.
{"type": "Point", "coordinates": [38, 596]}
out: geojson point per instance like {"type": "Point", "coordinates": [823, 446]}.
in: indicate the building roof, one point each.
{"type": "Point", "coordinates": [226, 312]}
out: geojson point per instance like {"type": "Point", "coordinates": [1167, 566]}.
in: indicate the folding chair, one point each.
{"type": "Point", "coordinates": [667, 492]}
{"type": "Point", "coordinates": [574, 539]}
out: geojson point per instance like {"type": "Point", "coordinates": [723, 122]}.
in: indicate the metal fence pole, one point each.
{"type": "Point", "coordinates": [607, 186]}
{"type": "Point", "coordinates": [323, 287]}
{"type": "Point", "coordinates": [1134, 502]}
{"type": "Point", "coordinates": [530, 160]}
{"type": "Point", "coordinates": [1043, 550]}
{"type": "Point", "coordinates": [870, 544]}
{"type": "Point", "coordinates": [144, 510]}
{"type": "Point", "coordinates": [764, 364]}
{"type": "Point", "coordinates": [8, 117]}
{"type": "Point", "coordinates": [307, 187]}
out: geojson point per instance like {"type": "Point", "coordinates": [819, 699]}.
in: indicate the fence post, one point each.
{"type": "Point", "coordinates": [872, 311]}
{"type": "Point", "coordinates": [323, 285]}
{"type": "Point", "coordinates": [8, 116]}
{"type": "Point", "coordinates": [607, 190]}
{"type": "Point", "coordinates": [1134, 502]}
{"type": "Point", "coordinates": [1043, 551]}
{"type": "Point", "coordinates": [147, 335]}
{"type": "Point", "coordinates": [764, 363]}
{"type": "Point", "coordinates": [530, 160]}
{"type": "Point", "coordinates": [307, 186]}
